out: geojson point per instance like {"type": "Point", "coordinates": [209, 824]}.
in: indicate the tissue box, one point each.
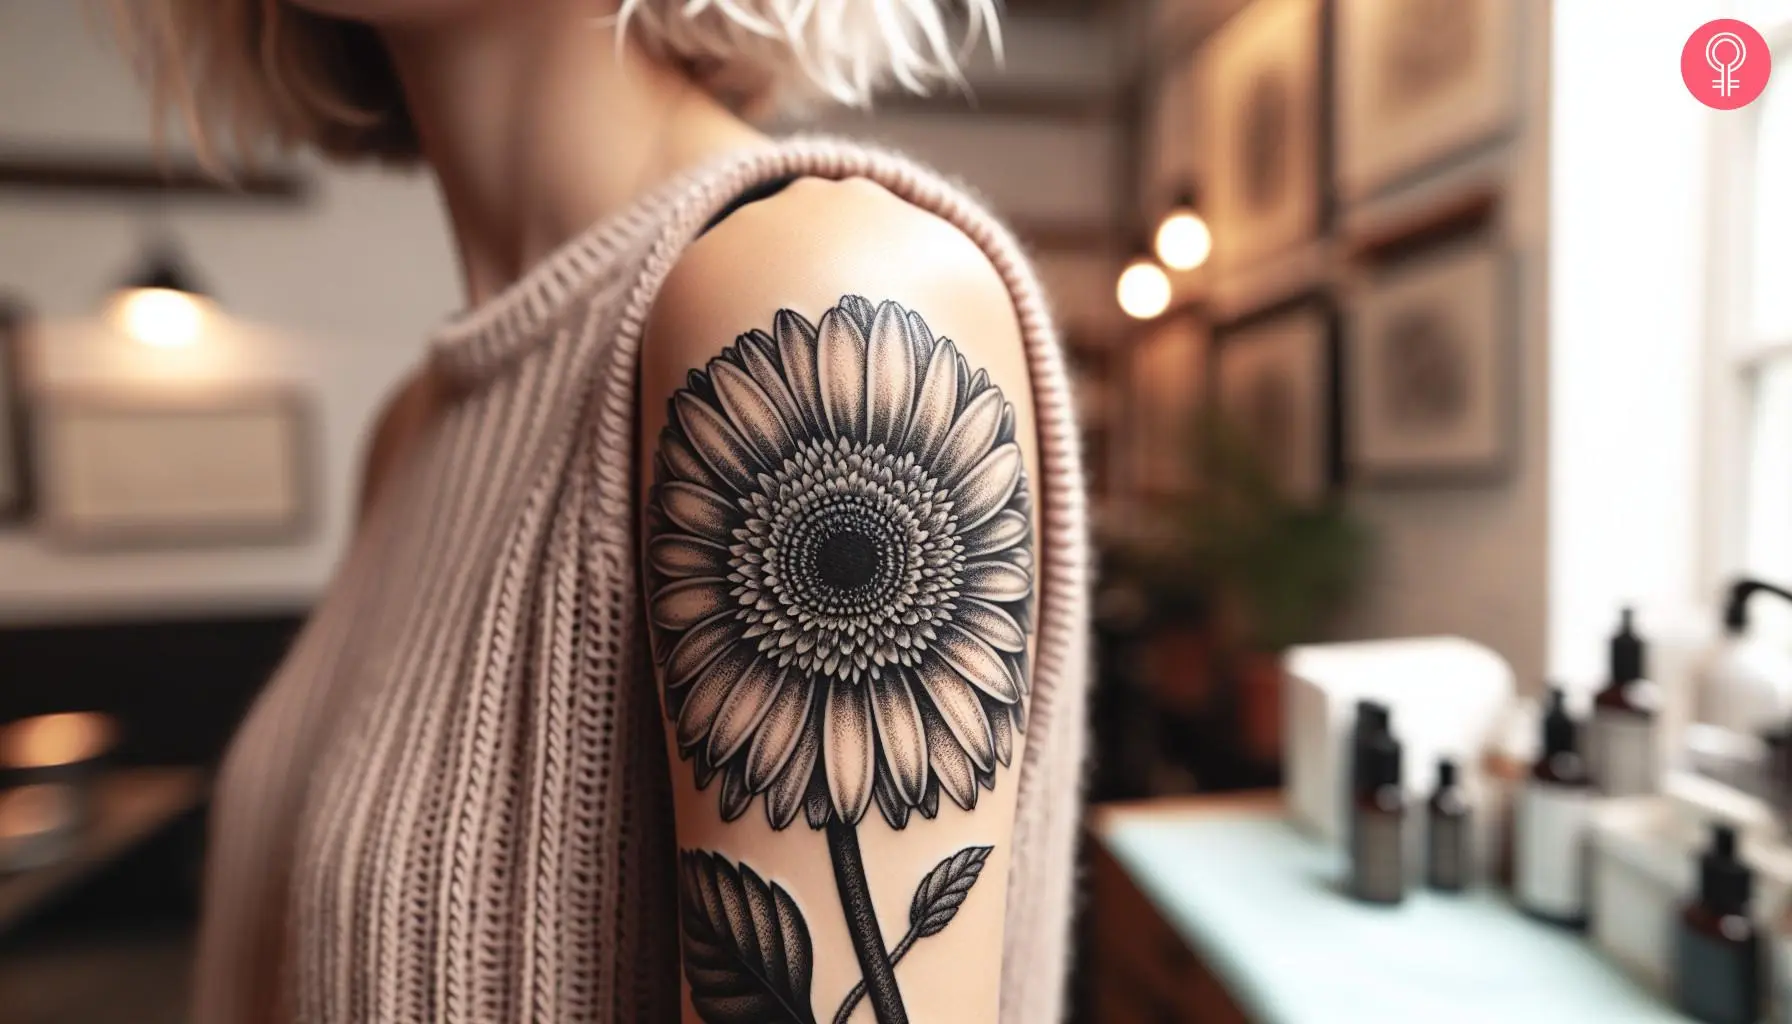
{"type": "Point", "coordinates": [1446, 695]}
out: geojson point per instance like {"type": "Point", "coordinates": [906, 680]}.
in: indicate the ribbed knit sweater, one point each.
{"type": "Point", "coordinates": [453, 803]}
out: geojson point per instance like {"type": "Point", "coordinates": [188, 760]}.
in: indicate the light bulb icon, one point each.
{"type": "Point", "coordinates": [1725, 52]}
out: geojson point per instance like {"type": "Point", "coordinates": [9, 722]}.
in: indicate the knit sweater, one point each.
{"type": "Point", "coordinates": [452, 803]}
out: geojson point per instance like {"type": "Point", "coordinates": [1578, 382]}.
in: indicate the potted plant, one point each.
{"type": "Point", "coordinates": [1271, 569]}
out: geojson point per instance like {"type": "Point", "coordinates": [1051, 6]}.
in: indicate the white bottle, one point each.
{"type": "Point", "coordinates": [1550, 852]}
{"type": "Point", "coordinates": [1623, 742]}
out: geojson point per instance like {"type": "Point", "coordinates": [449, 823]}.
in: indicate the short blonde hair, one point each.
{"type": "Point", "coordinates": [268, 70]}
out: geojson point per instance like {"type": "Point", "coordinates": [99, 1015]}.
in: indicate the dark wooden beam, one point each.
{"type": "Point", "coordinates": [1461, 215]}
{"type": "Point", "coordinates": [143, 176]}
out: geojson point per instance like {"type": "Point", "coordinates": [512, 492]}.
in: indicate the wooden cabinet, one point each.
{"type": "Point", "coordinates": [1142, 970]}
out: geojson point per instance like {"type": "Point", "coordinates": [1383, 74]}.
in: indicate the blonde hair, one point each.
{"type": "Point", "coordinates": [268, 70]}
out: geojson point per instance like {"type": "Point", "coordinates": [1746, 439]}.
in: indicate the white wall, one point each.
{"type": "Point", "coordinates": [332, 297]}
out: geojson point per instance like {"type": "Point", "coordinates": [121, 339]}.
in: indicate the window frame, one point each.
{"type": "Point", "coordinates": [1736, 353]}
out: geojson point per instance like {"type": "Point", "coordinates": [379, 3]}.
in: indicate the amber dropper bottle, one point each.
{"type": "Point", "coordinates": [1717, 976]}
{"type": "Point", "coordinates": [1378, 826]}
{"type": "Point", "coordinates": [1447, 832]}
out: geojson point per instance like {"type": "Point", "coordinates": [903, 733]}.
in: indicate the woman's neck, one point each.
{"type": "Point", "coordinates": [537, 125]}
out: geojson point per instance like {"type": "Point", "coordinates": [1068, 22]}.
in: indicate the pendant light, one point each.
{"type": "Point", "coordinates": [1143, 289]}
{"type": "Point", "coordinates": [160, 305]}
{"type": "Point", "coordinates": [1183, 239]}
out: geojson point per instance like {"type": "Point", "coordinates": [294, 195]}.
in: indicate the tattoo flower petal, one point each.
{"type": "Point", "coordinates": [839, 569]}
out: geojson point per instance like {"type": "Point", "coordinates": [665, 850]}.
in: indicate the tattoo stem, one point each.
{"type": "Point", "coordinates": [858, 991]}
{"type": "Point", "coordinates": [861, 922]}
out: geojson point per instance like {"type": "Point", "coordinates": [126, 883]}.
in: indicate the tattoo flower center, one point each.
{"type": "Point", "coordinates": [849, 562]}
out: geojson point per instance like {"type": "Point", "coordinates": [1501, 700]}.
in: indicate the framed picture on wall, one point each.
{"type": "Point", "coordinates": [126, 470]}
{"type": "Point", "coordinates": [1420, 81]}
{"type": "Point", "coordinates": [1261, 77]}
{"type": "Point", "coordinates": [1276, 384]}
{"type": "Point", "coordinates": [15, 473]}
{"type": "Point", "coordinates": [1164, 391]}
{"type": "Point", "coordinates": [1430, 360]}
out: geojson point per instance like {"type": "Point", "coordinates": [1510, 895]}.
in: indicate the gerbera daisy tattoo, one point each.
{"type": "Point", "coordinates": [840, 579]}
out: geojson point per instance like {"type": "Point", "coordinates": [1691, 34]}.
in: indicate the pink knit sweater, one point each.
{"type": "Point", "coordinates": [452, 803]}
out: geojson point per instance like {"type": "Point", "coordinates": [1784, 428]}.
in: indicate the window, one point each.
{"type": "Point", "coordinates": [1757, 338]}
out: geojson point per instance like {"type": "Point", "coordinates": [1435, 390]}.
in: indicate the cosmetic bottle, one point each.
{"type": "Point", "coordinates": [1550, 876]}
{"type": "Point", "coordinates": [1378, 820]}
{"type": "Point", "coordinates": [1717, 951]}
{"type": "Point", "coordinates": [1622, 740]}
{"type": "Point", "coordinates": [1779, 943]}
{"type": "Point", "coordinates": [1447, 832]}
{"type": "Point", "coordinates": [1373, 723]}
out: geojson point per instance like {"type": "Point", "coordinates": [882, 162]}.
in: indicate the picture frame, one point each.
{"type": "Point", "coordinates": [1165, 391]}
{"type": "Point", "coordinates": [1420, 82]}
{"type": "Point", "coordinates": [15, 463]}
{"type": "Point", "coordinates": [1263, 79]}
{"type": "Point", "coordinates": [1432, 381]}
{"type": "Point", "coordinates": [126, 470]}
{"type": "Point", "coordinates": [1276, 382]}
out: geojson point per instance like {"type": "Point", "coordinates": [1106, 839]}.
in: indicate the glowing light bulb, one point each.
{"type": "Point", "coordinates": [1143, 290]}
{"type": "Point", "coordinates": [160, 317]}
{"type": "Point", "coordinates": [1183, 240]}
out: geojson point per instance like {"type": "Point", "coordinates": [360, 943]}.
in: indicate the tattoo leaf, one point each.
{"type": "Point", "coordinates": [940, 894]}
{"type": "Point", "coordinates": [746, 947]}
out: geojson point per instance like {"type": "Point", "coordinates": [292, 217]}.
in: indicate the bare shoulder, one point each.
{"type": "Point", "coordinates": [818, 240]}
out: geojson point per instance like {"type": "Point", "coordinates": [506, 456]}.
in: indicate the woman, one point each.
{"type": "Point", "coordinates": [719, 585]}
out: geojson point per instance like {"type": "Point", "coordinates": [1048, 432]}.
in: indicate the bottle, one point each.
{"type": "Point", "coordinates": [1621, 744]}
{"type": "Point", "coordinates": [1781, 965]}
{"type": "Point", "coordinates": [1550, 876]}
{"type": "Point", "coordinates": [1447, 833]}
{"type": "Point", "coordinates": [1378, 819]}
{"type": "Point", "coordinates": [1373, 722]}
{"type": "Point", "coordinates": [1717, 950]}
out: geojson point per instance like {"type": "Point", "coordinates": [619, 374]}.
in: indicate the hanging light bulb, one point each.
{"type": "Point", "coordinates": [159, 306]}
{"type": "Point", "coordinates": [1143, 288]}
{"type": "Point", "coordinates": [1183, 239]}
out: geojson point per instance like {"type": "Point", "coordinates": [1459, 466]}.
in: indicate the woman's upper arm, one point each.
{"type": "Point", "coordinates": [839, 510]}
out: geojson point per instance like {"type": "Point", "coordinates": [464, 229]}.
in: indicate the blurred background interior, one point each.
{"type": "Point", "coordinates": [1389, 319]}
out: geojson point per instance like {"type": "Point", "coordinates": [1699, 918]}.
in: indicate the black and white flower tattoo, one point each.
{"type": "Point", "coordinates": [840, 578]}
{"type": "Point", "coordinates": [842, 569]}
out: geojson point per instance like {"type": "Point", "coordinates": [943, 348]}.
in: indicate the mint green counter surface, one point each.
{"type": "Point", "coordinates": [1260, 903]}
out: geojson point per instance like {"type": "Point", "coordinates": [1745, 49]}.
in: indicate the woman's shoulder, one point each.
{"type": "Point", "coordinates": [818, 239]}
